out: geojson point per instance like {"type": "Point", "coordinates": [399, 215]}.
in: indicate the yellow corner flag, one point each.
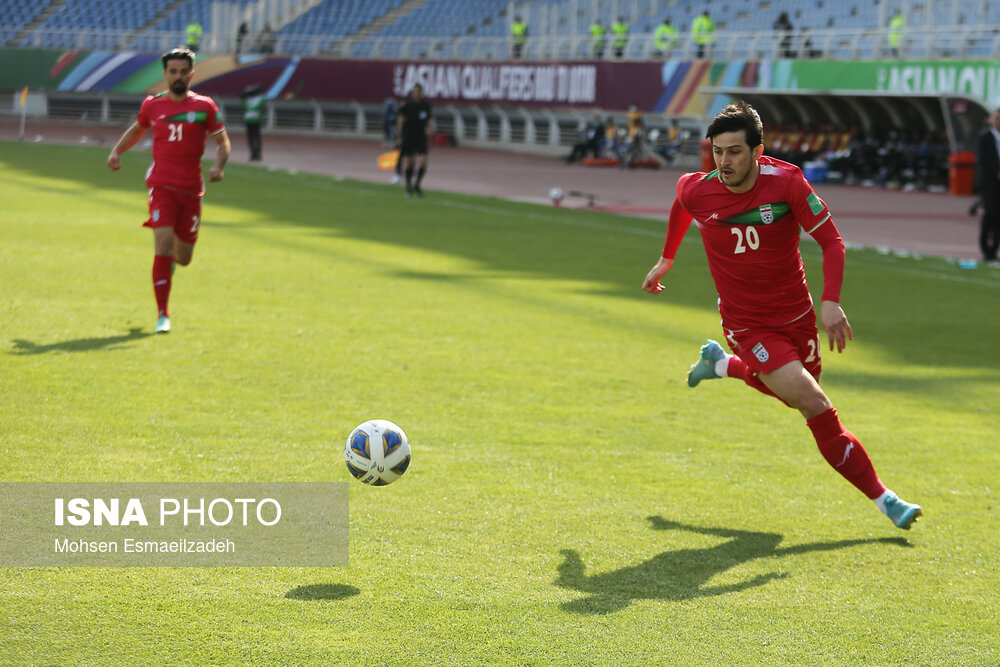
{"type": "Point", "coordinates": [24, 96]}
{"type": "Point", "coordinates": [387, 161]}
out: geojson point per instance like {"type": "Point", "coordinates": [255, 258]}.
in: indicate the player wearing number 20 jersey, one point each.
{"type": "Point", "coordinates": [751, 211]}
{"type": "Point", "coordinates": [752, 241]}
{"type": "Point", "coordinates": [179, 133]}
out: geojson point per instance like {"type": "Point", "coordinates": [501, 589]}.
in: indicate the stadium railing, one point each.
{"type": "Point", "coordinates": [540, 131]}
{"type": "Point", "coordinates": [937, 42]}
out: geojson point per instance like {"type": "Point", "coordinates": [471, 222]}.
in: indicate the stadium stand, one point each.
{"type": "Point", "coordinates": [332, 19]}
{"type": "Point", "coordinates": [18, 15]}
{"type": "Point", "coordinates": [479, 29]}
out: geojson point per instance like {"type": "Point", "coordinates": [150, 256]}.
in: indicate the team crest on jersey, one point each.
{"type": "Point", "coordinates": [765, 214]}
{"type": "Point", "coordinates": [760, 352]}
{"type": "Point", "coordinates": [191, 116]}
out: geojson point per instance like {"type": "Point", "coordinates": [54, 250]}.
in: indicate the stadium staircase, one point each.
{"type": "Point", "coordinates": [399, 13]}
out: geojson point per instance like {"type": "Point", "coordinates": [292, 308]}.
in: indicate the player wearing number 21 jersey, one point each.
{"type": "Point", "coordinates": [181, 121]}
{"type": "Point", "coordinates": [179, 133]}
{"type": "Point", "coordinates": [751, 212]}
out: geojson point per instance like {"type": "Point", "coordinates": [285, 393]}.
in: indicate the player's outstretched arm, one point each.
{"type": "Point", "coordinates": [652, 282]}
{"type": "Point", "coordinates": [835, 323]}
{"type": "Point", "coordinates": [127, 141]}
{"type": "Point", "coordinates": [223, 148]}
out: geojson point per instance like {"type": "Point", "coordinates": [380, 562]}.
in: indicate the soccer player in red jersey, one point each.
{"type": "Point", "coordinates": [181, 121]}
{"type": "Point", "coordinates": [750, 211]}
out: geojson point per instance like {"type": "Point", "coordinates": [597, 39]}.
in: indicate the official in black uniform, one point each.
{"type": "Point", "coordinates": [413, 124]}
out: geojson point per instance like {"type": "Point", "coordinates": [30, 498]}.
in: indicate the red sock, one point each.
{"type": "Point", "coordinates": [737, 368]}
{"type": "Point", "coordinates": [845, 453]}
{"type": "Point", "coordinates": [161, 282]}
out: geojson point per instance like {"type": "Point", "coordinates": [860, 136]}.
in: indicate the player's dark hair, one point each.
{"type": "Point", "coordinates": [735, 117]}
{"type": "Point", "coordinates": [179, 53]}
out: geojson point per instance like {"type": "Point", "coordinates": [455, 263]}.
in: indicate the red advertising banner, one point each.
{"type": "Point", "coordinates": [605, 85]}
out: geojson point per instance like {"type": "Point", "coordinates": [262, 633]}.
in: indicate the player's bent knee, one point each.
{"type": "Point", "coordinates": [813, 403]}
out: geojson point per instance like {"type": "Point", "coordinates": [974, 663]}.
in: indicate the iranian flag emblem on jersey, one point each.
{"type": "Point", "coordinates": [766, 214]}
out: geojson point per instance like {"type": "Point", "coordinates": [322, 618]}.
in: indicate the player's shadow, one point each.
{"type": "Point", "coordinates": [25, 347]}
{"type": "Point", "coordinates": [322, 592]}
{"type": "Point", "coordinates": [684, 573]}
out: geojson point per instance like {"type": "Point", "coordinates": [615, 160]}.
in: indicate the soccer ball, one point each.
{"type": "Point", "coordinates": [556, 195]}
{"type": "Point", "coordinates": [377, 452]}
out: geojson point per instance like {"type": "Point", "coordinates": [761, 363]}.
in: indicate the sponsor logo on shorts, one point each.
{"type": "Point", "coordinates": [760, 352]}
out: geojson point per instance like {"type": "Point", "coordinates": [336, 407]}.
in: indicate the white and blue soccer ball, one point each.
{"type": "Point", "coordinates": [377, 452]}
{"type": "Point", "coordinates": [556, 195]}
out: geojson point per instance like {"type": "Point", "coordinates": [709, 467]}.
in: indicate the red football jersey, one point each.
{"type": "Point", "coordinates": [179, 132]}
{"type": "Point", "coordinates": [752, 242]}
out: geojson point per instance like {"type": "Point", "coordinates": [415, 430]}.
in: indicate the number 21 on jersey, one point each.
{"type": "Point", "coordinates": [750, 239]}
{"type": "Point", "coordinates": [176, 131]}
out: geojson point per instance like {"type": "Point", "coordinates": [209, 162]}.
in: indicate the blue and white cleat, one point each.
{"type": "Point", "coordinates": [711, 352]}
{"type": "Point", "coordinates": [162, 324]}
{"type": "Point", "coordinates": [902, 513]}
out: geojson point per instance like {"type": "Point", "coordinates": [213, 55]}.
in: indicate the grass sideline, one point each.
{"type": "Point", "coordinates": [570, 500]}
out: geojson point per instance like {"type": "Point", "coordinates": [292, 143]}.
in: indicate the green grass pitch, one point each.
{"type": "Point", "coordinates": [570, 500]}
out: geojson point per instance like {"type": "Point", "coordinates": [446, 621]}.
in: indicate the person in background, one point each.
{"type": "Point", "coordinates": [784, 26]}
{"type": "Point", "coordinates": [591, 141]}
{"type": "Point", "coordinates": [620, 30]}
{"type": "Point", "coordinates": [253, 114]}
{"type": "Point", "coordinates": [703, 33]}
{"type": "Point", "coordinates": [518, 36]}
{"type": "Point", "coordinates": [389, 110]}
{"type": "Point", "coordinates": [895, 35]}
{"type": "Point", "coordinates": [665, 38]}
{"type": "Point", "coordinates": [635, 124]}
{"type": "Point", "coordinates": [670, 148]}
{"type": "Point", "coordinates": [988, 182]}
{"type": "Point", "coordinates": [193, 34]}
{"type": "Point", "coordinates": [413, 124]}
{"type": "Point", "coordinates": [267, 39]}
{"type": "Point", "coordinates": [241, 36]}
{"type": "Point", "coordinates": [597, 38]}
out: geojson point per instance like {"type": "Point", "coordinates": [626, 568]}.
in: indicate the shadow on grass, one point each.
{"type": "Point", "coordinates": [683, 574]}
{"type": "Point", "coordinates": [322, 592]}
{"type": "Point", "coordinates": [608, 254]}
{"type": "Point", "coordinates": [26, 347]}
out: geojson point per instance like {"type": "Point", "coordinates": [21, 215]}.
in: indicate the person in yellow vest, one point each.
{"type": "Point", "coordinates": [620, 30]}
{"type": "Point", "coordinates": [703, 33]}
{"type": "Point", "coordinates": [896, 25]}
{"type": "Point", "coordinates": [518, 36]}
{"type": "Point", "coordinates": [193, 35]}
{"type": "Point", "coordinates": [665, 38]}
{"type": "Point", "coordinates": [597, 32]}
